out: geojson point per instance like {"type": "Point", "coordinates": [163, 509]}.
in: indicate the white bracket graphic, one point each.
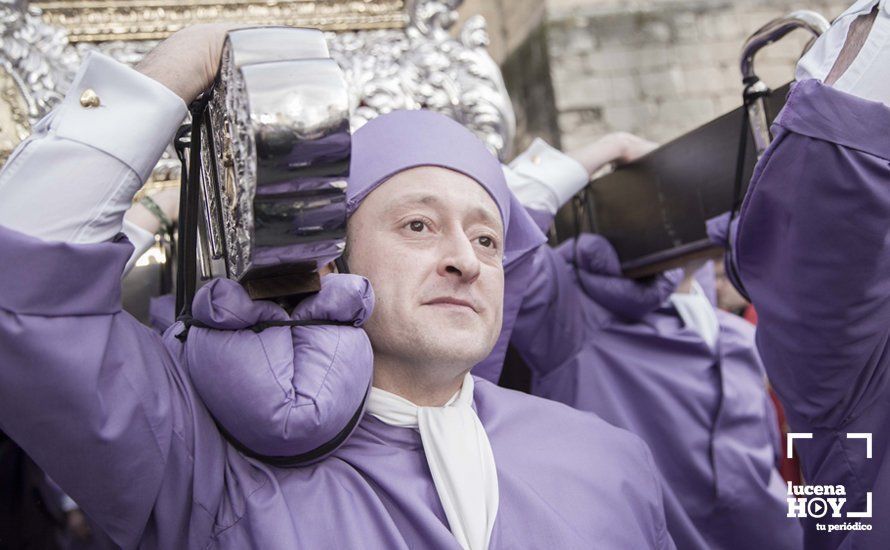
{"type": "Point", "coordinates": [867, 438]}
{"type": "Point", "coordinates": [791, 436]}
{"type": "Point", "coordinates": [867, 512]}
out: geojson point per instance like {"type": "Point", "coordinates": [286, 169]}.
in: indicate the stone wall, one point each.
{"type": "Point", "coordinates": [662, 67]}
{"type": "Point", "coordinates": [510, 22]}
{"type": "Point", "coordinates": [526, 72]}
{"type": "Point", "coordinates": [519, 44]}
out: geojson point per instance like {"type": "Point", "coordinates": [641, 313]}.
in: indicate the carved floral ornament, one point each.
{"type": "Point", "coordinates": [393, 56]}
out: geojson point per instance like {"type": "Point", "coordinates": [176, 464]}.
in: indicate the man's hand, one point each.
{"type": "Point", "coordinates": [187, 61]}
{"type": "Point", "coordinates": [618, 147]}
{"type": "Point", "coordinates": [599, 274]}
{"type": "Point", "coordinates": [167, 200]}
{"type": "Point", "coordinates": [77, 525]}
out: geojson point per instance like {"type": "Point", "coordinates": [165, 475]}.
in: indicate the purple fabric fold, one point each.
{"type": "Point", "coordinates": [704, 413]}
{"type": "Point", "coordinates": [65, 279]}
{"type": "Point", "coordinates": [106, 408]}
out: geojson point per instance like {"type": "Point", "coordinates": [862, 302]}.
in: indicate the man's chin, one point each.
{"type": "Point", "coordinates": [464, 346]}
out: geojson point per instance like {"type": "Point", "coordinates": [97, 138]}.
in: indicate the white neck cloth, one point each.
{"type": "Point", "coordinates": [698, 314]}
{"type": "Point", "coordinates": [459, 457]}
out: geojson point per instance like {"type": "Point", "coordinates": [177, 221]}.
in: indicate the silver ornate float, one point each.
{"type": "Point", "coordinates": [275, 153]}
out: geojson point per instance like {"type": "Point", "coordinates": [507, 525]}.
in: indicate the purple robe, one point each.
{"type": "Point", "coordinates": [706, 415]}
{"type": "Point", "coordinates": [105, 406]}
{"type": "Point", "coordinates": [813, 252]}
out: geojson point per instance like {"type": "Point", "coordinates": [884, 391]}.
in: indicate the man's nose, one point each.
{"type": "Point", "coordinates": [459, 259]}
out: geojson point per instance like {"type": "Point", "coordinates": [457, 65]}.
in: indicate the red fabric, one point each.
{"type": "Point", "coordinates": [750, 315]}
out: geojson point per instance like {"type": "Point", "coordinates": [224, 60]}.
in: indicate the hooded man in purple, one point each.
{"type": "Point", "coordinates": [689, 381]}
{"type": "Point", "coordinates": [669, 367]}
{"type": "Point", "coordinates": [812, 250]}
{"type": "Point", "coordinates": [441, 460]}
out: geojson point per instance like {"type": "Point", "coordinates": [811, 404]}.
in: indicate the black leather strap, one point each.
{"type": "Point", "coordinates": [187, 268]}
{"type": "Point", "coordinates": [190, 321]}
{"type": "Point", "coordinates": [303, 458]}
{"type": "Point", "coordinates": [748, 97]}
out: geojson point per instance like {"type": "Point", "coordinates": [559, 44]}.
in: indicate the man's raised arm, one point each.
{"type": "Point", "coordinates": [91, 395]}
{"type": "Point", "coordinates": [550, 325]}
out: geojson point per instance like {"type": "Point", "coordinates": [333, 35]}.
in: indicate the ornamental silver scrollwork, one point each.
{"type": "Point", "coordinates": [425, 67]}
{"type": "Point", "coordinates": [420, 66]}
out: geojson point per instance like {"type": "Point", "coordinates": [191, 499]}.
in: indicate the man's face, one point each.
{"type": "Point", "coordinates": [431, 241]}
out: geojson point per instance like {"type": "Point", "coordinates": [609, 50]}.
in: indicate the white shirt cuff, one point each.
{"type": "Point", "coordinates": [136, 118]}
{"type": "Point", "coordinates": [141, 239]}
{"type": "Point", "coordinates": [74, 178]}
{"type": "Point", "coordinates": [545, 178]}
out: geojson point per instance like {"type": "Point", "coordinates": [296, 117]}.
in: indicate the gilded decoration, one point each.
{"type": "Point", "coordinates": [103, 20]}
{"type": "Point", "coordinates": [14, 123]}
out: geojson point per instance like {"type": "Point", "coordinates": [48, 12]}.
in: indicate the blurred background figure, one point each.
{"type": "Point", "coordinates": [35, 513]}
{"type": "Point", "coordinates": [728, 298]}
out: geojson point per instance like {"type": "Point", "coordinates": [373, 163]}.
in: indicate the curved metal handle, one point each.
{"type": "Point", "coordinates": [755, 88]}
{"type": "Point", "coordinates": [776, 30]}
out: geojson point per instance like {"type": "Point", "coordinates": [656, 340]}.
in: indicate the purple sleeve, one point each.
{"type": "Point", "coordinates": [549, 327]}
{"type": "Point", "coordinates": [161, 312]}
{"type": "Point", "coordinates": [814, 255]}
{"type": "Point", "coordinates": [95, 398]}
{"type": "Point", "coordinates": [542, 219]}
{"type": "Point", "coordinates": [572, 290]}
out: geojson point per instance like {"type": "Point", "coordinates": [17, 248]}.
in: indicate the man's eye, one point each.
{"type": "Point", "coordinates": [417, 226]}
{"type": "Point", "coordinates": [487, 242]}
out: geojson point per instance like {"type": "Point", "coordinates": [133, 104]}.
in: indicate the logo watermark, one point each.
{"type": "Point", "coordinates": [827, 501]}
